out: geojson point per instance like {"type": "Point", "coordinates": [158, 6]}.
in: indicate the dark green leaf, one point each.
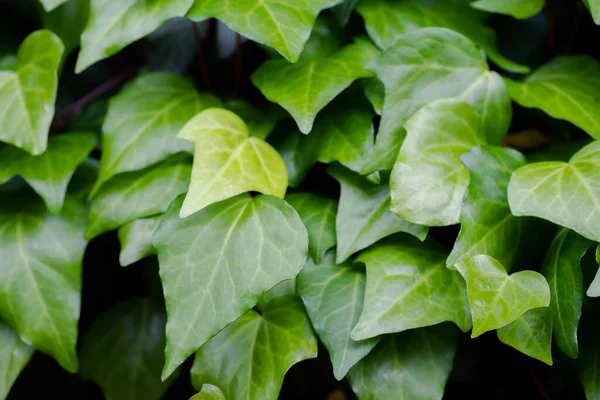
{"type": "Point", "coordinates": [520, 9]}
{"type": "Point", "coordinates": [14, 355]}
{"type": "Point", "coordinates": [136, 240]}
{"type": "Point", "coordinates": [531, 334]}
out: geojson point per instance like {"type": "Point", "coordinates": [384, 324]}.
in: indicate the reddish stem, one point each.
{"type": "Point", "coordinates": [198, 39]}
{"type": "Point", "coordinates": [538, 385]}
{"type": "Point", "coordinates": [574, 29]}
{"type": "Point", "coordinates": [239, 57]}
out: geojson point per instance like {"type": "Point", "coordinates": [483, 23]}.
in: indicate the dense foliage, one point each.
{"type": "Point", "coordinates": [372, 199]}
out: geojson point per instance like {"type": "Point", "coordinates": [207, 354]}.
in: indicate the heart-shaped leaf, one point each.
{"type": "Point", "coordinates": [136, 240]}
{"type": "Point", "coordinates": [14, 356]}
{"type": "Point", "coordinates": [531, 334]}
{"type": "Point", "coordinates": [520, 9]}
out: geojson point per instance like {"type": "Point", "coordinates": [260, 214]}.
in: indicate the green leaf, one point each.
{"type": "Point", "coordinates": [413, 365]}
{"type": "Point", "coordinates": [50, 5]}
{"type": "Point", "coordinates": [212, 276]}
{"type": "Point", "coordinates": [594, 7]}
{"type": "Point", "coordinates": [385, 20]}
{"type": "Point", "coordinates": [137, 194]}
{"type": "Point", "coordinates": [143, 120]}
{"type": "Point", "coordinates": [594, 288]}
{"type": "Point", "coordinates": [568, 88]}
{"type": "Point", "coordinates": [136, 240]}
{"type": "Point", "coordinates": [520, 9]}
{"type": "Point", "coordinates": [48, 174]}
{"type": "Point", "coordinates": [409, 286]}
{"type": "Point", "coordinates": [531, 334]}
{"type": "Point", "coordinates": [260, 123]}
{"type": "Point", "coordinates": [14, 356]}
{"type": "Point", "coordinates": [28, 93]}
{"type": "Point", "coordinates": [68, 22]}
{"type": "Point", "coordinates": [209, 392]}
{"type": "Point", "coordinates": [429, 181]}
{"type": "Point", "coordinates": [113, 25]}
{"type": "Point", "coordinates": [497, 298]}
{"type": "Point", "coordinates": [486, 224]}
{"type": "Point", "coordinates": [255, 351]}
{"type": "Point", "coordinates": [428, 65]}
{"type": "Point", "coordinates": [363, 215]}
{"type": "Point", "coordinates": [333, 296]}
{"type": "Point", "coordinates": [122, 351]}
{"type": "Point", "coordinates": [304, 88]}
{"type": "Point", "coordinates": [318, 215]}
{"type": "Point", "coordinates": [545, 190]}
{"type": "Point", "coordinates": [563, 273]}
{"type": "Point", "coordinates": [40, 274]}
{"type": "Point", "coordinates": [589, 369]}
{"type": "Point", "coordinates": [285, 28]}
{"type": "Point", "coordinates": [344, 10]}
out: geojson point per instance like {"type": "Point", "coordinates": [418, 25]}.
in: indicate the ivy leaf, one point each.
{"type": "Point", "coordinates": [136, 240]}
{"type": "Point", "coordinates": [14, 356]}
{"type": "Point", "coordinates": [137, 194]}
{"type": "Point", "coordinates": [50, 5]}
{"type": "Point", "coordinates": [428, 65]}
{"type": "Point", "coordinates": [363, 215]}
{"type": "Point", "coordinates": [216, 264]}
{"type": "Point", "coordinates": [304, 88]}
{"type": "Point", "coordinates": [256, 351]}
{"type": "Point", "coordinates": [143, 120]}
{"type": "Point", "coordinates": [122, 351]}
{"type": "Point", "coordinates": [318, 215]}
{"type": "Point", "coordinates": [344, 10]}
{"type": "Point", "coordinates": [228, 161]}
{"type": "Point", "coordinates": [333, 296]}
{"type": "Point", "coordinates": [28, 93]}
{"type": "Point", "coordinates": [269, 22]}
{"type": "Point", "coordinates": [114, 25]}
{"type": "Point", "coordinates": [589, 369]}
{"type": "Point", "coordinates": [40, 274]}
{"type": "Point", "coordinates": [545, 190]}
{"type": "Point", "coordinates": [594, 7]}
{"type": "Point", "coordinates": [68, 22]}
{"type": "Point", "coordinates": [48, 174]}
{"type": "Point", "coordinates": [412, 365]}
{"type": "Point", "coordinates": [260, 124]}
{"type": "Point", "coordinates": [567, 87]}
{"type": "Point", "coordinates": [520, 9]}
{"type": "Point", "coordinates": [209, 392]}
{"type": "Point", "coordinates": [531, 334]}
{"type": "Point", "coordinates": [594, 288]}
{"type": "Point", "coordinates": [429, 181]}
{"type": "Point", "coordinates": [409, 286]}
{"type": "Point", "coordinates": [497, 298]}
{"type": "Point", "coordinates": [563, 272]}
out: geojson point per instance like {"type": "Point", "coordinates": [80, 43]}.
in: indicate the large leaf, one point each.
{"type": "Point", "coordinates": [136, 240]}
{"type": "Point", "coordinates": [216, 264]}
{"type": "Point", "coordinates": [282, 26]}
{"type": "Point", "coordinates": [497, 298]}
{"type": "Point", "coordinates": [304, 88]}
{"type": "Point", "coordinates": [112, 25]}
{"type": "Point", "coordinates": [409, 286]}
{"type": "Point", "coordinates": [137, 194]}
{"type": "Point", "coordinates": [547, 189]}
{"type": "Point", "coordinates": [122, 351]}
{"type": "Point", "coordinates": [520, 9]}
{"type": "Point", "coordinates": [594, 7]}
{"type": "Point", "coordinates": [363, 215]}
{"type": "Point", "coordinates": [27, 94]}
{"type": "Point", "coordinates": [14, 355]}
{"type": "Point", "coordinates": [40, 273]}
{"type": "Point", "coordinates": [428, 65]}
{"type": "Point", "coordinates": [228, 161]}
{"type": "Point", "coordinates": [531, 334]}
{"type": "Point", "coordinates": [249, 358]}
{"type": "Point", "coordinates": [429, 181]}
{"type": "Point", "coordinates": [563, 273]}
{"type": "Point", "coordinates": [413, 365]}
{"type": "Point", "coordinates": [333, 296]}
{"type": "Point", "coordinates": [566, 88]}
{"type": "Point", "coordinates": [48, 174]}
{"type": "Point", "coordinates": [50, 5]}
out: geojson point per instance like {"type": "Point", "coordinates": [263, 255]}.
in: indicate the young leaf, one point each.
{"type": "Point", "coordinates": [333, 296]}
{"type": "Point", "coordinates": [409, 286]}
{"type": "Point", "coordinates": [429, 181]}
{"type": "Point", "coordinates": [14, 356]}
{"type": "Point", "coordinates": [412, 365]}
{"type": "Point", "coordinates": [546, 190]}
{"type": "Point", "coordinates": [40, 274]}
{"type": "Point", "coordinates": [27, 94]}
{"type": "Point", "coordinates": [228, 161]}
{"type": "Point", "coordinates": [594, 7]}
{"type": "Point", "coordinates": [136, 240]}
{"type": "Point", "coordinates": [433, 64]}
{"type": "Point", "coordinates": [113, 25]}
{"type": "Point", "coordinates": [304, 88]}
{"type": "Point", "coordinates": [497, 298]}
{"type": "Point", "coordinates": [249, 358]}
{"type": "Point", "coordinates": [566, 88]}
{"type": "Point", "coordinates": [49, 173]}
{"type": "Point", "coordinates": [284, 27]}
{"type": "Point", "coordinates": [531, 334]}
{"type": "Point", "coordinates": [50, 5]}
{"type": "Point", "coordinates": [216, 264]}
{"type": "Point", "coordinates": [122, 351]}
{"type": "Point", "coordinates": [318, 215]}
{"type": "Point", "coordinates": [209, 392]}
{"type": "Point", "coordinates": [363, 215]}
{"type": "Point", "coordinates": [520, 9]}
{"type": "Point", "coordinates": [143, 120]}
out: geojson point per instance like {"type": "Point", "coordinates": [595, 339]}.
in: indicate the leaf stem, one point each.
{"type": "Point", "coordinates": [239, 58]}
{"type": "Point", "coordinates": [538, 385]}
{"type": "Point", "coordinates": [574, 29]}
{"type": "Point", "coordinates": [199, 39]}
